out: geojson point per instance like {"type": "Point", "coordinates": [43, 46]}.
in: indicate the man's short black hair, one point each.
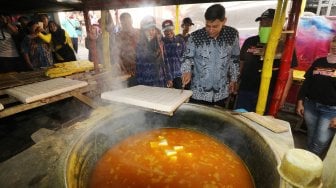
{"type": "Point", "coordinates": [214, 12]}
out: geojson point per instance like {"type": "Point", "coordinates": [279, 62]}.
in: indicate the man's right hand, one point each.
{"type": "Point", "coordinates": [186, 78]}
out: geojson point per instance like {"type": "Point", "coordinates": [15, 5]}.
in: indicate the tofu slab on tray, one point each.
{"type": "Point", "coordinates": [158, 99]}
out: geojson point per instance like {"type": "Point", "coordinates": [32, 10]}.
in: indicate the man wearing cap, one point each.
{"type": "Point", "coordinates": [150, 68]}
{"type": "Point", "coordinates": [251, 58]}
{"type": "Point", "coordinates": [213, 51]}
{"type": "Point", "coordinates": [186, 24]}
{"type": "Point", "coordinates": [173, 49]}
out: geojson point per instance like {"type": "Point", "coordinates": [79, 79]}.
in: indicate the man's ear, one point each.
{"type": "Point", "coordinates": [224, 21]}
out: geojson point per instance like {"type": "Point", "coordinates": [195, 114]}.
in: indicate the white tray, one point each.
{"type": "Point", "coordinates": [41, 90]}
{"type": "Point", "coordinates": [163, 100]}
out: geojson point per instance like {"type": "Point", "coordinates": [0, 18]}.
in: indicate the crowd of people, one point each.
{"type": "Point", "coordinates": [208, 61]}
{"type": "Point", "coordinates": [33, 43]}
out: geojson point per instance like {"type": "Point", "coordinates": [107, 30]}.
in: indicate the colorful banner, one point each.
{"type": "Point", "coordinates": [313, 38]}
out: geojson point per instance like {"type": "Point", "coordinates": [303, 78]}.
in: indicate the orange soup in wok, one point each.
{"type": "Point", "coordinates": [173, 158]}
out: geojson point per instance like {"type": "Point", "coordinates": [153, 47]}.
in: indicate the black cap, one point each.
{"type": "Point", "coordinates": [269, 13]}
{"type": "Point", "coordinates": [186, 21]}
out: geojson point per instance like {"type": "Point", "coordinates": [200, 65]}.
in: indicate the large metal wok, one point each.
{"type": "Point", "coordinates": [241, 138]}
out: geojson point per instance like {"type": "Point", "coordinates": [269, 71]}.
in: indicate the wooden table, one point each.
{"type": "Point", "coordinates": [96, 84]}
{"type": "Point", "coordinates": [13, 79]}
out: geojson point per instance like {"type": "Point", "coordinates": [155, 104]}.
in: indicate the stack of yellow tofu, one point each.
{"type": "Point", "coordinates": [68, 68]}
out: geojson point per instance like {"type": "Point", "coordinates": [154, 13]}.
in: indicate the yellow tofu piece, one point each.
{"type": "Point", "coordinates": [170, 152]}
{"type": "Point", "coordinates": [178, 148]}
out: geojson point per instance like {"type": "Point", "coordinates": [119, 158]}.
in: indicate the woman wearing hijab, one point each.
{"type": "Point", "coordinates": [61, 43]}
{"type": "Point", "coordinates": [317, 101]}
{"type": "Point", "coordinates": [150, 68]}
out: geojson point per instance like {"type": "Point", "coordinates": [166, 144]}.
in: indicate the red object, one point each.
{"type": "Point", "coordinates": [286, 58]}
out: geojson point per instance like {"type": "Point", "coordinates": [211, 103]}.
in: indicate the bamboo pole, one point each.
{"type": "Point", "coordinates": [272, 44]}
{"type": "Point", "coordinates": [303, 6]}
{"type": "Point", "coordinates": [286, 59]}
{"type": "Point", "coordinates": [177, 23]}
{"type": "Point", "coordinates": [105, 39]}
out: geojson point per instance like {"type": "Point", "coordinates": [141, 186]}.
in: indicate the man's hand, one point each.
{"type": "Point", "coordinates": [170, 83]}
{"type": "Point", "coordinates": [300, 108]}
{"type": "Point", "coordinates": [333, 122]}
{"type": "Point", "coordinates": [186, 78]}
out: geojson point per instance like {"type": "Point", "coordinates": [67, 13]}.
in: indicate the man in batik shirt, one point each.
{"type": "Point", "coordinates": [213, 52]}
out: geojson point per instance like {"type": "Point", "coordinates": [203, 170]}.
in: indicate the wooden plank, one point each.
{"type": "Point", "coordinates": [268, 122]}
{"type": "Point", "coordinates": [38, 74]}
{"type": "Point", "coordinates": [157, 99]}
{"type": "Point", "coordinates": [8, 100]}
{"type": "Point", "coordinates": [10, 83]}
{"type": "Point", "coordinates": [23, 107]}
{"type": "Point", "coordinates": [8, 80]}
{"type": "Point", "coordinates": [85, 99]}
{"type": "Point", "coordinates": [40, 90]}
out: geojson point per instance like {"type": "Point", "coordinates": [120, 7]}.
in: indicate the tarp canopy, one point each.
{"type": "Point", "coordinates": [34, 6]}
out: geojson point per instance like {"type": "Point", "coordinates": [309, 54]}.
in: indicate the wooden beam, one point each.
{"type": "Point", "coordinates": [8, 100]}
{"type": "Point", "coordinates": [85, 99]}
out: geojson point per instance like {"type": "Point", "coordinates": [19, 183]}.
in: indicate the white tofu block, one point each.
{"type": "Point", "coordinates": [41, 90]}
{"type": "Point", "coordinates": [164, 100]}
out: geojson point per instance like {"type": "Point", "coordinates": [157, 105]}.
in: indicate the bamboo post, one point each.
{"type": "Point", "coordinates": [303, 6]}
{"type": "Point", "coordinates": [105, 39]}
{"type": "Point", "coordinates": [177, 23]}
{"type": "Point", "coordinates": [272, 44]}
{"type": "Point", "coordinates": [286, 59]}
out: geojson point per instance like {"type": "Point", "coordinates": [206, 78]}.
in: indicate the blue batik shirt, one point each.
{"type": "Point", "coordinates": [150, 68]}
{"type": "Point", "coordinates": [215, 63]}
{"type": "Point", "coordinates": [173, 50]}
